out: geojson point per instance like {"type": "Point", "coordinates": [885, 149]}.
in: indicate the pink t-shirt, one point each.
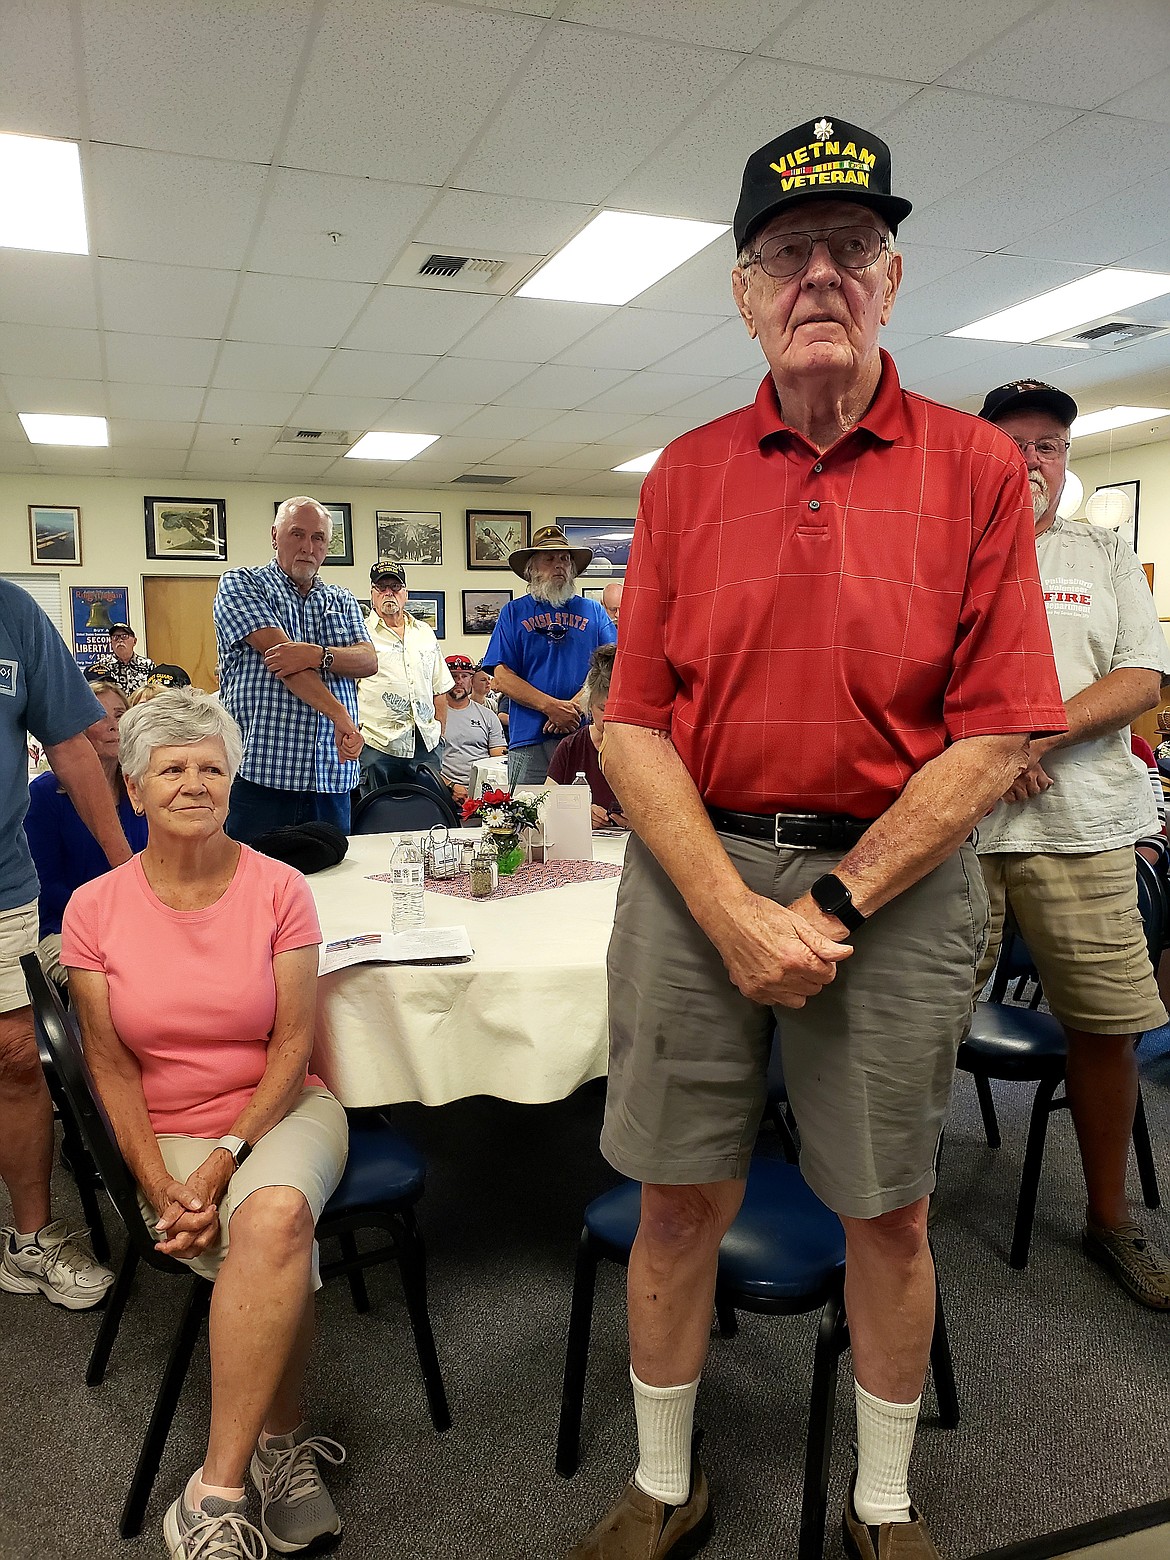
{"type": "Point", "coordinates": [192, 993]}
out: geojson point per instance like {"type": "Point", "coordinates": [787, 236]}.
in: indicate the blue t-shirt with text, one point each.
{"type": "Point", "coordinates": [527, 640]}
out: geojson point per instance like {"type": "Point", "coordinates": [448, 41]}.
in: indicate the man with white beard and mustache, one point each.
{"type": "Point", "coordinates": [1059, 847]}
{"type": "Point", "coordinates": [540, 651]}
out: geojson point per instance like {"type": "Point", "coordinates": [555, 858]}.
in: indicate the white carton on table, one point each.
{"type": "Point", "coordinates": [568, 823]}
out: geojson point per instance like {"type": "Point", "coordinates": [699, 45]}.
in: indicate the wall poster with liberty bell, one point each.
{"type": "Point", "coordinates": [92, 608]}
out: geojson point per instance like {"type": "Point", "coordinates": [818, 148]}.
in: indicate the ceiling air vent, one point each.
{"type": "Point", "coordinates": [1107, 335]}
{"type": "Point", "coordinates": [473, 481]}
{"type": "Point", "coordinates": [316, 438]}
{"type": "Point", "coordinates": [462, 270]}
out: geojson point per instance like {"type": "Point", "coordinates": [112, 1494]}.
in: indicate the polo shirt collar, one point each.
{"type": "Point", "coordinates": [289, 581]}
{"type": "Point", "coordinates": [884, 420]}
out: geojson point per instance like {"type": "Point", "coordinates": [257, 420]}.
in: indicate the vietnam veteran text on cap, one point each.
{"type": "Point", "coordinates": [387, 569]}
{"type": "Point", "coordinates": [824, 159]}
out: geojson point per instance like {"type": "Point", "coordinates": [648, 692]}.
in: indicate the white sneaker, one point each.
{"type": "Point", "coordinates": [61, 1266]}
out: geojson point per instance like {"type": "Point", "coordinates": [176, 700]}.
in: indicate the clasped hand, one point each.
{"type": "Point", "coordinates": [292, 656]}
{"type": "Point", "coordinates": [562, 715]}
{"type": "Point", "coordinates": [188, 1211]}
{"type": "Point", "coordinates": [775, 954]}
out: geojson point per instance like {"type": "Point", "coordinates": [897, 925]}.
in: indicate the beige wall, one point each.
{"type": "Point", "coordinates": [113, 532]}
{"type": "Point", "coordinates": [1148, 464]}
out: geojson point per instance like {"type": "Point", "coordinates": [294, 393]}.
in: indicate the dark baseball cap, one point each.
{"type": "Point", "coordinates": [122, 628]}
{"type": "Point", "coordinates": [387, 569]}
{"type": "Point", "coordinates": [1029, 395]}
{"type": "Point", "coordinates": [822, 159]}
{"type": "Point", "coordinates": [167, 675]}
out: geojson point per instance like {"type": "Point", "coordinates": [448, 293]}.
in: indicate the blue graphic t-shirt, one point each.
{"type": "Point", "coordinates": [550, 648]}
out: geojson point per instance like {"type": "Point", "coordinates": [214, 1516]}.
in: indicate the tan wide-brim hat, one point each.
{"type": "Point", "coordinates": [550, 538]}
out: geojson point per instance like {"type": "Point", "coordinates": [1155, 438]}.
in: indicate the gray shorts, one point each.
{"type": "Point", "coordinates": [868, 1062]}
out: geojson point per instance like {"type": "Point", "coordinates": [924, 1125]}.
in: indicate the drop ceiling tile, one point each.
{"type": "Point", "coordinates": [372, 217]}
{"type": "Point", "coordinates": [136, 433]}
{"type": "Point", "coordinates": [940, 140]}
{"type": "Point", "coordinates": [469, 222]}
{"type": "Point", "coordinates": [733, 24]}
{"type": "Point", "coordinates": [923, 263]}
{"type": "Point", "coordinates": [158, 360]}
{"type": "Point", "coordinates": [701, 286]}
{"type": "Point", "coordinates": [652, 433]}
{"type": "Point", "coordinates": [17, 457]}
{"type": "Point", "coordinates": [46, 289]}
{"type": "Point", "coordinates": [1150, 100]}
{"type": "Point", "coordinates": [914, 39]}
{"type": "Point", "coordinates": [596, 457]}
{"type": "Point", "coordinates": [295, 309]}
{"type": "Point", "coordinates": [417, 319]}
{"type": "Point", "coordinates": [728, 349]}
{"type": "Point", "coordinates": [45, 350]}
{"type": "Point", "coordinates": [250, 406]}
{"type": "Point", "coordinates": [372, 373]}
{"type": "Point", "coordinates": [355, 413]}
{"type": "Point", "coordinates": [211, 80]}
{"type": "Point", "coordinates": [529, 454]}
{"type": "Point", "coordinates": [1093, 62]}
{"type": "Point", "coordinates": [236, 439]}
{"type": "Point", "coordinates": [1102, 234]}
{"type": "Point", "coordinates": [455, 447]}
{"type": "Point", "coordinates": [82, 462]}
{"type": "Point", "coordinates": [178, 403]}
{"type": "Point", "coordinates": [635, 338]}
{"type": "Point", "coordinates": [251, 365]}
{"type": "Point", "coordinates": [296, 469]}
{"type": "Point", "coordinates": [168, 300]}
{"type": "Point", "coordinates": [586, 427]}
{"type": "Point", "coordinates": [523, 330]}
{"type": "Point", "coordinates": [506, 422]}
{"type": "Point", "coordinates": [468, 379]}
{"type": "Point", "coordinates": [557, 131]}
{"type": "Point", "coordinates": [607, 484]}
{"type": "Point", "coordinates": [150, 463]}
{"type": "Point", "coordinates": [72, 397]}
{"type": "Point", "coordinates": [697, 173]}
{"type": "Point", "coordinates": [154, 206]}
{"type": "Point", "coordinates": [561, 386]}
{"type": "Point", "coordinates": [221, 465]}
{"type": "Point", "coordinates": [715, 402]}
{"type": "Point", "coordinates": [38, 87]}
{"type": "Point", "coordinates": [540, 481]}
{"type": "Point", "coordinates": [993, 283]}
{"type": "Point", "coordinates": [450, 66]}
{"type": "Point", "coordinates": [403, 416]}
{"type": "Point", "coordinates": [941, 355]}
{"type": "Point", "coordinates": [648, 391]}
{"type": "Point", "coordinates": [974, 380]}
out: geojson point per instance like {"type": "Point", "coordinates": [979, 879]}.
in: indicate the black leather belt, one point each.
{"type": "Point", "coordinates": [794, 830]}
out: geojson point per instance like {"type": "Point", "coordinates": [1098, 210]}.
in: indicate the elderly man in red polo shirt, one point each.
{"type": "Point", "coordinates": [833, 656]}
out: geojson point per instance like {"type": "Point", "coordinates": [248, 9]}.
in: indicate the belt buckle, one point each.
{"type": "Point", "coordinates": [780, 844]}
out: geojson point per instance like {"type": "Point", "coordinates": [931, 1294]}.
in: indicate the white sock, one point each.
{"type": "Point", "coordinates": [885, 1438]}
{"type": "Point", "coordinates": [666, 1416]}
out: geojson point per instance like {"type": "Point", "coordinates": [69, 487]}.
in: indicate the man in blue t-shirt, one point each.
{"type": "Point", "coordinates": [540, 650]}
{"type": "Point", "coordinates": [42, 691]}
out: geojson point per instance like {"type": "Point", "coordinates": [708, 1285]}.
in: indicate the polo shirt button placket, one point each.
{"type": "Point", "coordinates": [818, 467]}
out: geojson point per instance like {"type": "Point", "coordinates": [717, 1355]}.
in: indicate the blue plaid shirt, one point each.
{"type": "Point", "coordinates": [288, 745]}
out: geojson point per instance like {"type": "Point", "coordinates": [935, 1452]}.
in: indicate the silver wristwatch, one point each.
{"type": "Point", "coordinates": [326, 660]}
{"type": "Point", "coordinates": [239, 1148]}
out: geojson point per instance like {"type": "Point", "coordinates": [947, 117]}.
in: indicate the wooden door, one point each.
{"type": "Point", "coordinates": [179, 629]}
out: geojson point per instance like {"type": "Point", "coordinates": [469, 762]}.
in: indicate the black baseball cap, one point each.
{"type": "Point", "coordinates": [387, 569]}
{"type": "Point", "coordinates": [1029, 395]}
{"type": "Point", "coordinates": [822, 159]}
{"type": "Point", "coordinates": [168, 675]}
{"type": "Point", "coordinates": [122, 628]}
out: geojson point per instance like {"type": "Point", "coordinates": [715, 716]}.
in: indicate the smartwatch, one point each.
{"type": "Point", "coordinates": [835, 899]}
{"type": "Point", "coordinates": [326, 660]}
{"type": "Point", "coordinates": [239, 1148]}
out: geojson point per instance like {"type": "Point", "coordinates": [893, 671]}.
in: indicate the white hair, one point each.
{"type": "Point", "coordinates": [291, 505]}
{"type": "Point", "coordinates": [179, 718]}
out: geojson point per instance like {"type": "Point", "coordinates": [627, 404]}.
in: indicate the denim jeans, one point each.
{"type": "Point", "coordinates": [254, 810]}
{"type": "Point", "coordinates": [380, 768]}
{"type": "Point", "coordinates": [528, 765]}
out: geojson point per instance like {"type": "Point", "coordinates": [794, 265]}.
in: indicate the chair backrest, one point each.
{"type": "Point", "coordinates": [395, 807]}
{"type": "Point", "coordinates": [59, 1042]}
{"type": "Point", "coordinates": [1152, 904]}
{"type": "Point", "coordinates": [1013, 963]}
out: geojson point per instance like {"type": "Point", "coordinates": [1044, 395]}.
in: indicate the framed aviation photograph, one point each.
{"type": "Point", "coordinates": [186, 530]}
{"type": "Point", "coordinates": [410, 535]}
{"type": "Point", "coordinates": [494, 533]}
{"type": "Point", "coordinates": [481, 608]}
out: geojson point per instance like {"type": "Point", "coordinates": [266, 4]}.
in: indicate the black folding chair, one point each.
{"type": "Point", "coordinates": [395, 807]}
{"type": "Point", "coordinates": [383, 1179]}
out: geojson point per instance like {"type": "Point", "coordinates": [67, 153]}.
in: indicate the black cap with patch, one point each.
{"type": "Point", "coordinates": [388, 569]}
{"type": "Point", "coordinates": [1029, 395]}
{"type": "Point", "coordinates": [822, 159]}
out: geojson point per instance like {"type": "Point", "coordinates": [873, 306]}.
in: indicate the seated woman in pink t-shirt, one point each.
{"type": "Point", "coordinates": [193, 969]}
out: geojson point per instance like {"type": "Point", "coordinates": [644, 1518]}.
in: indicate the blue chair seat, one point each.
{"type": "Point", "coordinates": [382, 1168]}
{"type": "Point", "coordinates": [1013, 1043]}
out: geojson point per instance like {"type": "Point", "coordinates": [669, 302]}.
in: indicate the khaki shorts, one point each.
{"type": "Point", "coordinates": [18, 936]}
{"type": "Point", "coordinates": [1079, 917]}
{"type": "Point", "coordinates": [868, 1062]}
{"type": "Point", "coordinates": [306, 1149]}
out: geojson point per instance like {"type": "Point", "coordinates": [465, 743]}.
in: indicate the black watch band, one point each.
{"type": "Point", "coordinates": [835, 899]}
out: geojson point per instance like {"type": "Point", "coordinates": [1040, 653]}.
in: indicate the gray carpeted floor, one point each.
{"type": "Point", "coordinates": [1064, 1381]}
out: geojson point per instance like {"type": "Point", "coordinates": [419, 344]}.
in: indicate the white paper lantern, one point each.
{"type": "Point", "coordinates": [1110, 507]}
{"type": "Point", "coordinates": [1070, 496]}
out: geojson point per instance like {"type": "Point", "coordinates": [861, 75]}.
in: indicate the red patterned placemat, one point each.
{"type": "Point", "coordinates": [532, 879]}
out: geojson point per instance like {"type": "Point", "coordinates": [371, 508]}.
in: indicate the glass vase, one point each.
{"type": "Point", "coordinates": [509, 851]}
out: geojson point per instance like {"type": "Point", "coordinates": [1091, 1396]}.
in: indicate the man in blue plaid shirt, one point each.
{"type": "Point", "coordinates": [290, 651]}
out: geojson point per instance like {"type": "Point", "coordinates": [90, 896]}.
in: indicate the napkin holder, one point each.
{"type": "Point", "coordinates": [568, 823]}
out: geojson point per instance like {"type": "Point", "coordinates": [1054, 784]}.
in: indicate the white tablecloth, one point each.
{"type": "Point", "coordinates": [525, 1020]}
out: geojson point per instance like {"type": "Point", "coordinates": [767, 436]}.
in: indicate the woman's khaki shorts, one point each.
{"type": "Point", "coordinates": [307, 1149]}
{"type": "Point", "coordinates": [1079, 917]}
{"type": "Point", "coordinates": [868, 1061]}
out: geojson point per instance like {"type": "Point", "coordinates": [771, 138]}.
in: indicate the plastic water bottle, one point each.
{"type": "Point", "coordinates": [406, 887]}
{"type": "Point", "coordinates": [579, 778]}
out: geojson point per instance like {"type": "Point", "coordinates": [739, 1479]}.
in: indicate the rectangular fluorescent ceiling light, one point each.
{"type": "Point", "coordinates": [619, 255]}
{"type": "Point", "coordinates": [640, 462]}
{"type": "Point", "coordinates": [40, 195]}
{"type": "Point", "coordinates": [49, 428]}
{"type": "Point", "coordinates": [1077, 303]}
{"type": "Point", "coordinates": [390, 446]}
{"type": "Point", "coordinates": [1115, 417]}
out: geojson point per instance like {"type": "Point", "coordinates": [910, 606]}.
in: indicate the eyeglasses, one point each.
{"type": "Point", "coordinates": [852, 248]}
{"type": "Point", "coordinates": [554, 631]}
{"type": "Point", "coordinates": [1047, 449]}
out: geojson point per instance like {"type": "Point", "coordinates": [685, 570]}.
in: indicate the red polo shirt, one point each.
{"type": "Point", "coordinates": [812, 628]}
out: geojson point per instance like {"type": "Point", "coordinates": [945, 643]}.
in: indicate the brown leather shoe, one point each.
{"type": "Point", "coordinates": [891, 1541]}
{"type": "Point", "coordinates": [639, 1527]}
